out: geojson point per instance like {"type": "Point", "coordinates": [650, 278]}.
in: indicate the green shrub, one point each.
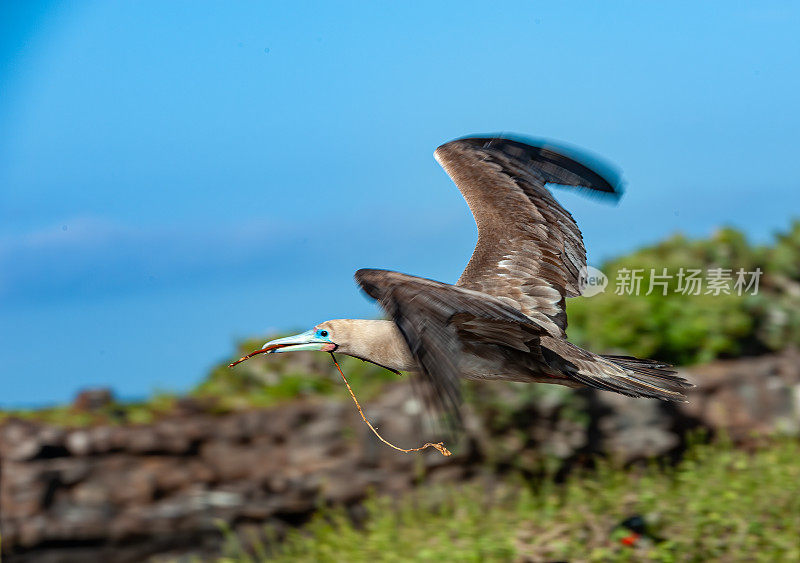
{"type": "Point", "coordinates": [684, 328]}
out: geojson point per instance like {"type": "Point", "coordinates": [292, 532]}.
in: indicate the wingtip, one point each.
{"type": "Point", "coordinates": [608, 182]}
{"type": "Point", "coordinates": [440, 153]}
{"type": "Point", "coordinates": [364, 279]}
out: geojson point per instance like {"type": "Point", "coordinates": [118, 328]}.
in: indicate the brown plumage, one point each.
{"type": "Point", "coordinates": [505, 318]}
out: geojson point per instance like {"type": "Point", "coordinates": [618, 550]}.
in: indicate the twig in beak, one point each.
{"type": "Point", "coordinates": [260, 351]}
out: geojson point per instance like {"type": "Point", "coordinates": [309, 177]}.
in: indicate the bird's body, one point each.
{"type": "Point", "coordinates": [505, 318]}
{"type": "Point", "coordinates": [382, 343]}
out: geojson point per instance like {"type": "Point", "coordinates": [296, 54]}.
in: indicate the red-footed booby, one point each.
{"type": "Point", "coordinates": [505, 318]}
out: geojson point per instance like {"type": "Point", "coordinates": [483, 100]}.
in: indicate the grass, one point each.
{"type": "Point", "coordinates": [718, 504]}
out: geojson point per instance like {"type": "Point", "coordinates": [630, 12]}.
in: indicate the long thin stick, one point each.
{"type": "Point", "coordinates": [259, 351]}
{"type": "Point", "coordinates": [438, 445]}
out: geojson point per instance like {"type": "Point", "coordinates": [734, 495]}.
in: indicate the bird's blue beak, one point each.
{"type": "Point", "coordinates": [308, 340]}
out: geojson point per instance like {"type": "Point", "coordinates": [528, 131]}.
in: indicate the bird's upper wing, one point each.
{"type": "Point", "coordinates": [529, 248]}
{"type": "Point", "coordinates": [437, 320]}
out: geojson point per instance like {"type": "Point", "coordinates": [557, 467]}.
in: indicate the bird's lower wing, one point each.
{"type": "Point", "coordinates": [437, 320]}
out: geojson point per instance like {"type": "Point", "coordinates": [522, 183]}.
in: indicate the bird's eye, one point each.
{"type": "Point", "coordinates": [323, 333]}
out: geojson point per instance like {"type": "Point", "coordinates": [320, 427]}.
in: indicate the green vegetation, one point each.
{"type": "Point", "coordinates": [139, 412]}
{"type": "Point", "coordinates": [718, 504]}
{"type": "Point", "coordinates": [686, 329]}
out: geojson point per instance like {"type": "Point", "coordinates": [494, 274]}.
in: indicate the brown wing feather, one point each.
{"type": "Point", "coordinates": [438, 319]}
{"type": "Point", "coordinates": [529, 249]}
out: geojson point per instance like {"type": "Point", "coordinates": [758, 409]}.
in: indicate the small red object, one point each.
{"type": "Point", "coordinates": [630, 540]}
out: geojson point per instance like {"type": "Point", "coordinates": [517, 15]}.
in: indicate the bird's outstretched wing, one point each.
{"type": "Point", "coordinates": [529, 248]}
{"type": "Point", "coordinates": [437, 320]}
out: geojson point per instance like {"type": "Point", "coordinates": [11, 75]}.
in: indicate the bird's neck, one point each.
{"type": "Point", "coordinates": [379, 342]}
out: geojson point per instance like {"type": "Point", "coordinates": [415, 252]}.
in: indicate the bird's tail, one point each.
{"type": "Point", "coordinates": [636, 377]}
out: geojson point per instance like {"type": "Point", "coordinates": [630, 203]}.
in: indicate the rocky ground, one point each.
{"type": "Point", "coordinates": [125, 493]}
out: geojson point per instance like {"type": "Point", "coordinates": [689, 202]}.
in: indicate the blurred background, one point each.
{"type": "Point", "coordinates": [179, 182]}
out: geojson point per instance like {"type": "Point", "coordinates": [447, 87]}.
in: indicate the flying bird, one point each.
{"type": "Point", "coordinates": [505, 318]}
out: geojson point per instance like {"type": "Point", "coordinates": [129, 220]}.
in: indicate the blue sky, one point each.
{"type": "Point", "coordinates": [174, 176]}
